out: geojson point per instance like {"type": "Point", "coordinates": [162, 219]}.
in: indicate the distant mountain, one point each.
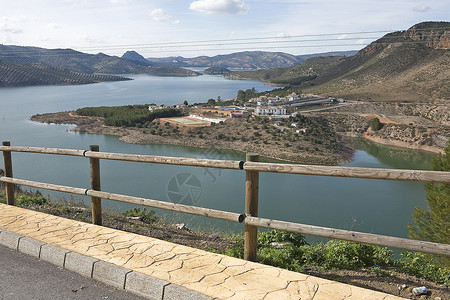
{"type": "Point", "coordinates": [304, 72]}
{"type": "Point", "coordinates": [83, 62]}
{"type": "Point", "coordinates": [137, 58]}
{"type": "Point", "coordinates": [13, 74]}
{"type": "Point", "coordinates": [243, 60]}
{"type": "Point", "coordinates": [411, 65]}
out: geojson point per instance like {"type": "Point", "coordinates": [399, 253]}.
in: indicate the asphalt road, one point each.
{"type": "Point", "coordinates": [24, 277]}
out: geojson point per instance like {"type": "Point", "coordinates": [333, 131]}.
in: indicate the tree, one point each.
{"type": "Point", "coordinates": [433, 224]}
{"type": "Point", "coordinates": [375, 124]}
{"type": "Point", "coordinates": [185, 103]}
{"type": "Point", "coordinates": [240, 95]}
{"type": "Point", "coordinates": [211, 102]}
{"type": "Point", "coordinates": [219, 99]}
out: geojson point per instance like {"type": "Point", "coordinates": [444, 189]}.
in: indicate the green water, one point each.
{"type": "Point", "coordinates": [376, 206]}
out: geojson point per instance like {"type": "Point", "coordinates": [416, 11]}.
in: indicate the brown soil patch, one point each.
{"type": "Point", "coordinates": [382, 119]}
{"type": "Point", "coordinates": [393, 283]}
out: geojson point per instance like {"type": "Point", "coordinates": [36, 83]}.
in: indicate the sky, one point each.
{"type": "Point", "coordinates": [190, 28]}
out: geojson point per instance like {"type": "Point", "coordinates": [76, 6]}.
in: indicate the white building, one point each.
{"type": "Point", "coordinates": [270, 110]}
{"type": "Point", "coordinates": [293, 97]}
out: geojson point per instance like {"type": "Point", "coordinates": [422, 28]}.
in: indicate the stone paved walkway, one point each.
{"type": "Point", "coordinates": [159, 269]}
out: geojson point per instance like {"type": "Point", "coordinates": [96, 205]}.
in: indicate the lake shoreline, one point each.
{"type": "Point", "coordinates": [132, 135]}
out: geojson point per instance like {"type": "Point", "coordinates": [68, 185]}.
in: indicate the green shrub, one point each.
{"type": "Point", "coordinates": [277, 236]}
{"type": "Point", "coordinates": [375, 124]}
{"type": "Point", "coordinates": [25, 200]}
{"type": "Point", "coordinates": [424, 266]}
{"type": "Point", "coordinates": [146, 216]}
{"type": "Point", "coordinates": [290, 251]}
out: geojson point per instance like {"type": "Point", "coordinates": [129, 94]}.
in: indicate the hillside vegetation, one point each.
{"type": "Point", "coordinates": [12, 74]}
{"type": "Point", "coordinates": [410, 65]}
{"type": "Point", "coordinates": [128, 115]}
{"type": "Point", "coordinates": [84, 62]}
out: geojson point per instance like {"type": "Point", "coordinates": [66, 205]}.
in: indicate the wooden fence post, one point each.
{"type": "Point", "coordinates": [251, 209]}
{"type": "Point", "coordinates": [95, 185]}
{"type": "Point", "coordinates": [7, 163]}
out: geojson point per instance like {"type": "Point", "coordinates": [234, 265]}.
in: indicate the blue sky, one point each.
{"type": "Point", "coordinates": [190, 28]}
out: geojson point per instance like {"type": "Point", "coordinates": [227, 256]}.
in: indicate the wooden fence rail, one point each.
{"type": "Point", "coordinates": [193, 210]}
{"type": "Point", "coordinates": [252, 168]}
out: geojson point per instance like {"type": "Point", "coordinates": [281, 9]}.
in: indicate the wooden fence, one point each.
{"type": "Point", "coordinates": [252, 167]}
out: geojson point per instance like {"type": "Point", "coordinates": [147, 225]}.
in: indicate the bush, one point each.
{"type": "Point", "coordinates": [375, 124]}
{"type": "Point", "coordinates": [346, 255]}
{"type": "Point", "coordinates": [146, 216]}
{"type": "Point", "coordinates": [423, 266]}
{"type": "Point", "coordinates": [25, 200]}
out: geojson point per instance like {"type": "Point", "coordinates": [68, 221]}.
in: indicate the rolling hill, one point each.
{"type": "Point", "coordinates": [13, 74]}
{"type": "Point", "coordinates": [84, 62]}
{"type": "Point", "coordinates": [411, 65]}
{"type": "Point", "coordinates": [304, 72]}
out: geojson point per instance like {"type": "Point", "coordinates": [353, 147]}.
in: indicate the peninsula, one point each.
{"type": "Point", "coordinates": [280, 124]}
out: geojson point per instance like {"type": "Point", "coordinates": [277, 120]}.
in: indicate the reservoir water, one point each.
{"type": "Point", "coordinates": [374, 206]}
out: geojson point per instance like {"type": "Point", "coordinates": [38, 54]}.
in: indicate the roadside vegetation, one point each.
{"type": "Point", "coordinates": [291, 251]}
{"type": "Point", "coordinates": [277, 248]}
{"type": "Point", "coordinates": [433, 223]}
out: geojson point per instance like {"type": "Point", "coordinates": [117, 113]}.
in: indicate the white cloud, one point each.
{"type": "Point", "coordinates": [12, 24]}
{"type": "Point", "coordinates": [13, 19]}
{"type": "Point", "coordinates": [160, 15]}
{"type": "Point", "coordinates": [361, 42]}
{"type": "Point", "coordinates": [119, 1]}
{"type": "Point", "coordinates": [54, 26]}
{"type": "Point", "coordinates": [231, 7]}
{"type": "Point", "coordinates": [283, 35]}
{"type": "Point", "coordinates": [5, 28]}
{"type": "Point", "coordinates": [91, 39]}
{"type": "Point", "coordinates": [421, 8]}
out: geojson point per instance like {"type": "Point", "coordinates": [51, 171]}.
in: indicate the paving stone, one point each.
{"type": "Point", "coordinates": [176, 292]}
{"type": "Point", "coordinates": [144, 285]}
{"type": "Point", "coordinates": [110, 274]}
{"type": "Point", "coordinates": [157, 269]}
{"type": "Point", "coordinates": [10, 239]}
{"type": "Point", "coordinates": [53, 254]}
{"type": "Point", "coordinates": [30, 246]}
{"type": "Point", "coordinates": [80, 263]}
